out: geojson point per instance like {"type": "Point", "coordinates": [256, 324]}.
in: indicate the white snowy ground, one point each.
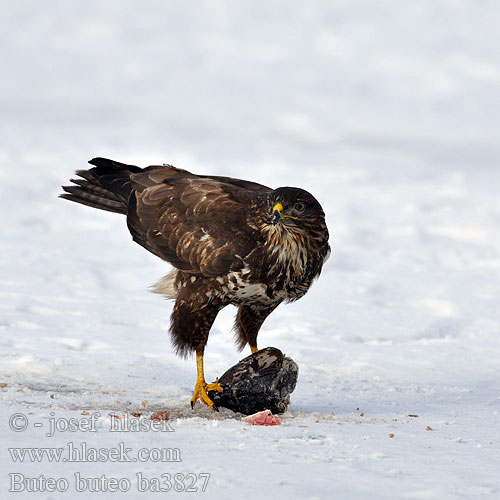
{"type": "Point", "coordinates": [388, 112]}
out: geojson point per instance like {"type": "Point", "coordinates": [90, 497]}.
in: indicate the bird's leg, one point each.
{"type": "Point", "coordinates": [248, 322]}
{"type": "Point", "coordinates": [201, 388]}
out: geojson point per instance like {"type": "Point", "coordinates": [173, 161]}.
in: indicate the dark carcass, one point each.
{"type": "Point", "coordinates": [262, 381]}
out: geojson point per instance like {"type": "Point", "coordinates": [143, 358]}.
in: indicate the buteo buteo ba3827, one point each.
{"type": "Point", "coordinates": [229, 241]}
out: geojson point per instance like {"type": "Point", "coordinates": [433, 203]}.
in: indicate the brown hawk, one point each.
{"type": "Point", "coordinates": [229, 241]}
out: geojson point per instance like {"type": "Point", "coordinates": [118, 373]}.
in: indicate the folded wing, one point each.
{"type": "Point", "coordinates": [198, 224]}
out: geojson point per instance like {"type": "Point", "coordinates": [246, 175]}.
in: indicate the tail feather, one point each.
{"type": "Point", "coordinates": [112, 164]}
{"type": "Point", "coordinates": [107, 186]}
{"type": "Point", "coordinates": [79, 195]}
{"type": "Point", "coordinates": [93, 189]}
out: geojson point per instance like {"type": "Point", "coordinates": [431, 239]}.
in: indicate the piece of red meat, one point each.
{"type": "Point", "coordinates": [263, 418]}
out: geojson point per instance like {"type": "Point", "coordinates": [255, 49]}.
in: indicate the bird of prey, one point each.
{"type": "Point", "coordinates": [230, 241]}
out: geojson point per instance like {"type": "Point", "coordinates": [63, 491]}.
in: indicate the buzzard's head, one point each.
{"type": "Point", "coordinates": [294, 207]}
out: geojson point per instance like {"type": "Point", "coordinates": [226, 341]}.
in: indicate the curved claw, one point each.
{"type": "Point", "coordinates": [200, 392]}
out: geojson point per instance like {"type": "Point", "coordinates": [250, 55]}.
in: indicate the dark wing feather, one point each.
{"type": "Point", "coordinates": [249, 185]}
{"type": "Point", "coordinates": [198, 224]}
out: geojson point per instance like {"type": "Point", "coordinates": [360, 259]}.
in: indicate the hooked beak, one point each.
{"type": "Point", "coordinates": [277, 213]}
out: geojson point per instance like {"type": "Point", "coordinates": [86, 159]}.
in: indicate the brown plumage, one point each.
{"type": "Point", "coordinates": [229, 241]}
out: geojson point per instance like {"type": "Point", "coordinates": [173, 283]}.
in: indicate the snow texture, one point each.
{"type": "Point", "coordinates": [388, 113]}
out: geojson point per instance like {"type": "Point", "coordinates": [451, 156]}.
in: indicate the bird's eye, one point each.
{"type": "Point", "coordinates": [300, 207]}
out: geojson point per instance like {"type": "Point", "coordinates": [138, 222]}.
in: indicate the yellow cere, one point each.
{"type": "Point", "coordinates": [279, 208]}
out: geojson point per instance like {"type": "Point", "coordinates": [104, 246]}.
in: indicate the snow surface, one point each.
{"type": "Point", "coordinates": [388, 112]}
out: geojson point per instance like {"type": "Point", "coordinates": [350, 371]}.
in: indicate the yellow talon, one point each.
{"type": "Point", "coordinates": [254, 349]}
{"type": "Point", "coordinates": [202, 388]}
{"type": "Point", "coordinates": [214, 386]}
{"type": "Point", "coordinates": [200, 392]}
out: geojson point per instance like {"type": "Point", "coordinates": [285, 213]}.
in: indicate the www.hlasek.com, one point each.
{"type": "Point", "coordinates": [81, 452]}
{"type": "Point", "coordinates": [179, 482]}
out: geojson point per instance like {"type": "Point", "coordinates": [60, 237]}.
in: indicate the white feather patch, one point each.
{"type": "Point", "coordinates": [166, 285]}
